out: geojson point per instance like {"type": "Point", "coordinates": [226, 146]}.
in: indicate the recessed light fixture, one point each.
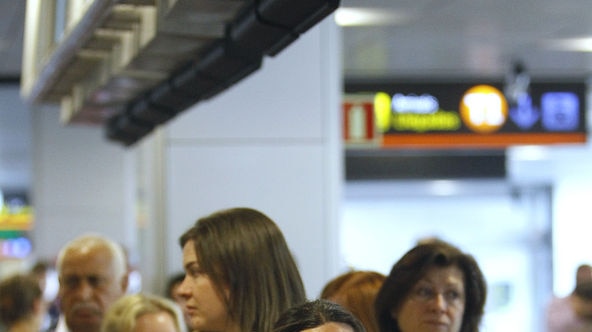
{"type": "Point", "coordinates": [444, 187]}
{"type": "Point", "coordinates": [583, 44]}
{"type": "Point", "coordinates": [529, 152]}
{"type": "Point", "coordinates": [349, 16]}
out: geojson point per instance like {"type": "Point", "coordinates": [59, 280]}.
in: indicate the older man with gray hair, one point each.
{"type": "Point", "coordinates": [92, 271]}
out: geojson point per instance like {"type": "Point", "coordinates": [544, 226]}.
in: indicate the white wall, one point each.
{"type": "Point", "coordinates": [15, 139]}
{"type": "Point", "coordinates": [81, 183]}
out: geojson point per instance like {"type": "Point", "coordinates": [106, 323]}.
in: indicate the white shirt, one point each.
{"type": "Point", "coordinates": [61, 327]}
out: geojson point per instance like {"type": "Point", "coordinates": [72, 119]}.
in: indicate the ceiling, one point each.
{"type": "Point", "coordinates": [426, 38]}
{"type": "Point", "coordinates": [468, 38]}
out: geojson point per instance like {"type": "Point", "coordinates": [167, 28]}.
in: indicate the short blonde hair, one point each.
{"type": "Point", "coordinates": [123, 314]}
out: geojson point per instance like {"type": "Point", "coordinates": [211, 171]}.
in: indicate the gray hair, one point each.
{"type": "Point", "coordinates": [96, 240]}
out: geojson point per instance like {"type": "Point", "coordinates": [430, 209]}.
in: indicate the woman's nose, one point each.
{"type": "Point", "coordinates": [183, 290]}
{"type": "Point", "coordinates": [439, 302]}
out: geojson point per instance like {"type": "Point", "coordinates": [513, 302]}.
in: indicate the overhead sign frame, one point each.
{"type": "Point", "coordinates": [468, 115]}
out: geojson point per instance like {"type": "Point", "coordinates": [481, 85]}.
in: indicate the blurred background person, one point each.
{"type": "Point", "coordinates": [356, 291]}
{"type": "Point", "coordinates": [318, 316]}
{"type": "Point", "coordinates": [433, 287]}
{"type": "Point", "coordinates": [44, 272]}
{"type": "Point", "coordinates": [92, 271]}
{"type": "Point", "coordinates": [172, 286]}
{"type": "Point", "coordinates": [172, 292]}
{"type": "Point", "coordinates": [573, 313]}
{"type": "Point", "coordinates": [143, 312]}
{"type": "Point", "coordinates": [21, 304]}
{"type": "Point", "coordinates": [240, 274]}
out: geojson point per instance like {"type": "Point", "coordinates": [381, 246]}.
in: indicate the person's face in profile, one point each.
{"type": "Point", "coordinates": [331, 327]}
{"type": "Point", "coordinates": [202, 304]}
{"type": "Point", "coordinates": [435, 303]}
{"type": "Point", "coordinates": [155, 322]}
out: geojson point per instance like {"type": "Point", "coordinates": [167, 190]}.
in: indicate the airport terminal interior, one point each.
{"type": "Point", "coordinates": [358, 127]}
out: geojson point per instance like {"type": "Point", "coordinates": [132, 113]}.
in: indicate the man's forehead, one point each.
{"type": "Point", "coordinates": [95, 264]}
{"type": "Point", "coordinates": [87, 268]}
{"type": "Point", "coordinates": [82, 275]}
{"type": "Point", "coordinates": [86, 253]}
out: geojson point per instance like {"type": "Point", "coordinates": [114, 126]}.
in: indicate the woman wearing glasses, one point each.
{"type": "Point", "coordinates": [433, 287]}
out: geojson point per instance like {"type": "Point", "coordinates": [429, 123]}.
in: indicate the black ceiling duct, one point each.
{"type": "Point", "coordinates": [264, 28]}
{"type": "Point", "coordinates": [192, 81]}
{"type": "Point", "coordinates": [297, 16]}
{"type": "Point", "coordinates": [127, 130]}
{"type": "Point", "coordinates": [256, 36]}
{"type": "Point", "coordinates": [227, 63]}
{"type": "Point", "coordinates": [143, 111]}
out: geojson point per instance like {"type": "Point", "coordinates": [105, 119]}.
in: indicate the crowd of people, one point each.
{"type": "Point", "coordinates": [240, 276]}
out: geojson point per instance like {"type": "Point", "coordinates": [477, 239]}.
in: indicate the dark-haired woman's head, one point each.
{"type": "Point", "coordinates": [319, 315]}
{"type": "Point", "coordinates": [434, 286]}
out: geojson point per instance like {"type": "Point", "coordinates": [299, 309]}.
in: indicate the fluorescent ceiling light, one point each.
{"type": "Point", "coordinates": [369, 16]}
{"type": "Point", "coordinates": [583, 44]}
{"type": "Point", "coordinates": [529, 152]}
{"type": "Point", "coordinates": [444, 187]}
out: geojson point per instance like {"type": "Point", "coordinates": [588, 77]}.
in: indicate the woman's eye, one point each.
{"type": "Point", "coordinates": [424, 292]}
{"type": "Point", "coordinates": [453, 295]}
{"type": "Point", "coordinates": [194, 271]}
{"type": "Point", "coordinates": [197, 272]}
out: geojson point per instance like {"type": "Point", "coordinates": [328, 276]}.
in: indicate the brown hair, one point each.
{"type": "Point", "coordinates": [244, 250]}
{"type": "Point", "coordinates": [18, 295]}
{"type": "Point", "coordinates": [356, 291]}
{"type": "Point", "coordinates": [414, 265]}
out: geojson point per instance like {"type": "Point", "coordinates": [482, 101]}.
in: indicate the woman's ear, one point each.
{"type": "Point", "coordinates": [394, 313]}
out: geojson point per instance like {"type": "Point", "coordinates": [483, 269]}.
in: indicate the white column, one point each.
{"type": "Point", "coordinates": [81, 183]}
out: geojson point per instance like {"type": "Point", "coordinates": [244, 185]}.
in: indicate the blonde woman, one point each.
{"type": "Point", "coordinates": [145, 313]}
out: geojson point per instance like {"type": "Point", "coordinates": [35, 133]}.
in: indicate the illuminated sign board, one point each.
{"type": "Point", "coordinates": [465, 115]}
{"type": "Point", "coordinates": [15, 248]}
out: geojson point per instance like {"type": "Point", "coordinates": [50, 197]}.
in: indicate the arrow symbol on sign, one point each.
{"type": "Point", "coordinates": [524, 114]}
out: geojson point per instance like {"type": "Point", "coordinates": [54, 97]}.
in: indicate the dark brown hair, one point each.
{"type": "Point", "coordinates": [18, 295]}
{"type": "Point", "coordinates": [314, 314]}
{"type": "Point", "coordinates": [414, 265]}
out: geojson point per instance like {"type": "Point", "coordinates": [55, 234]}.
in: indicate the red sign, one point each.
{"type": "Point", "coordinates": [359, 125]}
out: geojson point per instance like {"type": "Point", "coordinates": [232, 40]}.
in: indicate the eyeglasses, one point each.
{"type": "Point", "coordinates": [425, 294]}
